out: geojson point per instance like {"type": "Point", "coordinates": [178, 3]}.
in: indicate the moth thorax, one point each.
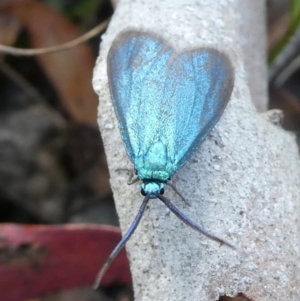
{"type": "Point", "coordinates": [156, 157]}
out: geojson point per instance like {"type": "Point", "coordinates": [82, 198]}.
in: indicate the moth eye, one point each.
{"type": "Point", "coordinates": [162, 191]}
{"type": "Point", "coordinates": [143, 192]}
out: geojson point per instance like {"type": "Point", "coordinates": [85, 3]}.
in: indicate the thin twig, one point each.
{"type": "Point", "coordinates": [38, 51]}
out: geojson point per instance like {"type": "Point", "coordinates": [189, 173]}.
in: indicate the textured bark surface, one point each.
{"type": "Point", "coordinates": [252, 39]}
{"type": "Point", "coordinates": [243, 183]}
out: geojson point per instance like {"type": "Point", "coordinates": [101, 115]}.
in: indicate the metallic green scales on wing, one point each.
{"type": "Point", "coordinates": [166, 102]}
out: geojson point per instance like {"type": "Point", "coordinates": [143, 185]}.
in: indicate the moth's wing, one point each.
{"type": "Point", "coordinates": [201, 82]}
{"type": "Point", "coordinates": [137, 75]}
{"type": "Point", "coordinates": [158, 95]}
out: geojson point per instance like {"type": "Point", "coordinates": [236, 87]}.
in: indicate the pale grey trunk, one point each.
{"type": "Point", "coordinates": [243, 183]}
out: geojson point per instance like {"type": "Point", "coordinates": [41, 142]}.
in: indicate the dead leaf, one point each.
{"type": "Point", "coordinates": [70, 71]}
{"type": "Point", "coordinates": [36, 260]}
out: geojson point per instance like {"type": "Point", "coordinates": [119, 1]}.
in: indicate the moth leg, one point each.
{"type": "Point", "coordinates": [182, 197]}
{"type": "Point", "coordinates": [131, 180]}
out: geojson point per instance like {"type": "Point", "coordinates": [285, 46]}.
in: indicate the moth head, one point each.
{"type": "Point", "coordinates": [152, 188]}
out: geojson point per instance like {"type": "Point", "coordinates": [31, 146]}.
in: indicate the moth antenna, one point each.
{"type": "Point", "coordinates": [190, 223]}
{"type": "Point", "coordinates": [122, 243]}
{"type": "Point", "coordinates": [182, 197]}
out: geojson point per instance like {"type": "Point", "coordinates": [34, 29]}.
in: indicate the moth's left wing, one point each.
{"type": "Point", "coordinates": [200, 83]}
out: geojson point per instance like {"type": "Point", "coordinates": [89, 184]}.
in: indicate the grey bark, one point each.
{"type": "Point", "coordinates": [243, 182]}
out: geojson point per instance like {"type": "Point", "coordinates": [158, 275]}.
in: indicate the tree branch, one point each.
{"type": "Point", "coordinates": [243, 182]}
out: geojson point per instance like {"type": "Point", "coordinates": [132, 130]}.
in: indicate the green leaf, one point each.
{"type": "Point", "coordinates": [293, 27]}
{"type": "Point", "coordinates": [294, 10]}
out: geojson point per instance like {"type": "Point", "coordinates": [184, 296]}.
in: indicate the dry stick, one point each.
{"type": "Point", "coordinates": [38, 51]}
{"type": "Point", "coordinates": [20, 81]}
